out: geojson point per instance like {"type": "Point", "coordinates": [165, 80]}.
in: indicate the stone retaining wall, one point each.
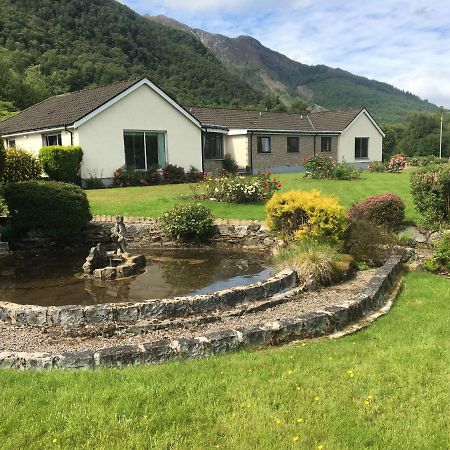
{"type": "Point", "coordinates": [144, 232]}
{"type": "Point", "coordinates": [319, 323]}
{"type": "Point", "coordinates": [78, 316]}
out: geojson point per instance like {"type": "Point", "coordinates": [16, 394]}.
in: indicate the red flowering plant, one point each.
{"type": "Point", "coordinates": [126, 176]}
{"type": "Point", "coordinates": [320, 166]}
{"type": "Point", "coordinates": [397, 163]}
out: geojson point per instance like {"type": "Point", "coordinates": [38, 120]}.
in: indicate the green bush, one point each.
{"type": "Point", "coordinates": [377, 167]}
{"type": "Point", "coordinates": [188, 222]}
{"type": "Point", "coordinates": [230, 165]}
{"type": "Point", "coordinates": [62, 163]}
{"type": "Point", "coordinates": [306, 214]}
{"type": "Point", "coordinates": [93, 182]}
{"type": "Point", "coordinates": [174, 174]}
{"type": "Point", "coordinates": [440, 262]}
{"type": "Point", "coordinates": [20, 166]}
{"type": "Point", "coordinates": [344, 171]}
{"type": "Point", "coordinates": [125, 177]}
{"type": "Point", "coordinates": [317, 263]}
{"type": "Point", "coordinates": [368, 243]}
{"type": "Point", "coordinates": [421, 161]}
{"type": "Point", "coordinates": [57, 209]}
{"type": "Point", "coordinates": [194, 175]}
{"type": "Point", "coordinates": [430, 188]}
{"type": "Point", "coordinates": [324, 167]}
{"type": "Point", "coordinates": [385, 209]}
{"type": "Point", "coordinates": [2, 158]}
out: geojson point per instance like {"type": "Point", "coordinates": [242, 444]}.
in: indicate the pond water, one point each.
{"type": "Point", "coordinates": [50, 279]}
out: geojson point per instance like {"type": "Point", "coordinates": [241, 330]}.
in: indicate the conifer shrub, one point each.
{"type": "Point", "coordinates": [56, 209]}
{"type": "Point", "coordinates": [299, 214]}
{"type": "Point", "coordinates": [386, 210]}
{"type": "Point", "coordinates": [188, 222]}
{"type": "Point", "coordinates": [62, 163]}
{"type": "Point", "coordinates": [430, 188]}
{"type": "Point", "coordinates": [20, 166]}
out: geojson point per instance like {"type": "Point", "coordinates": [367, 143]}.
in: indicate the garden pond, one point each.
{"type": "Point", "coordinates": [54, 278]}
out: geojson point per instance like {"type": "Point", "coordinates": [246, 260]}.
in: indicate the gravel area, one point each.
{"type": "Point", "coordinates": [16, 339]}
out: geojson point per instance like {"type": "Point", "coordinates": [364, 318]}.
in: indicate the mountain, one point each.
{"type": "Point", "coordinates": [49, 47]}
{"type": "Point", "coordinates": [272, 72]}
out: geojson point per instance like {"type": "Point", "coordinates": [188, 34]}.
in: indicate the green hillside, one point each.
{"type": "Point", "coordinates": [49, 47]}
{"type": "Point", "coordinates": [330, 88]}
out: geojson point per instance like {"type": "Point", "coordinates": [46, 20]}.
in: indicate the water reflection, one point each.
{"type": "Point", "coordinates": [51, 279]}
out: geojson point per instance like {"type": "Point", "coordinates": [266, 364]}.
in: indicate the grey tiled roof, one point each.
{"type": "Point", "coordinates": [64, 109]}
{"type": "Point", "coordinates": [259, 120]}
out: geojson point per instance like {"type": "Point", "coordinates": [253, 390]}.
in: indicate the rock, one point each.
{"type": "Point", "coordinates": [414, 234]}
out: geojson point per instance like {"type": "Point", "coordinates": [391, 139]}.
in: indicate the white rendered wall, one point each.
{"type": "Point", "coordinates": [237, 148]}
{"type": "Point", "coordinates": [101, 138]}
{"type": "Point", "coordinates": [361, 127]}
{"type": "Point", "coordinates": [32, 142]}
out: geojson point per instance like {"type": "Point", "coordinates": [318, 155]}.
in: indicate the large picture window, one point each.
{"type": "Point", "coordinates": [361, 147]}
{"type": "Point", "coordinates": [144, 149]}
{"type": "Point", "coordinates": [213, 145]}
{"type": "Point", "coordinates": [51, 139]}
{"type": "Point", "coordinates": [293, 144]}
{"type": "Point", "coordinates": [264, 144]}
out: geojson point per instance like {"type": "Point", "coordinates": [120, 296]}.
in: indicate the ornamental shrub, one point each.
{"type": "Point", "coordinates": [368, 243]}
{"type": "Point", "coordinates": [188, 222]}
{"type": "Point", "coordinates": [20, 166]}
{"type": "Point", "coordinates": [230, 165]}
{"type": "Point", "coordinates": [57, 209]}
{"type": "Point", "coordinates": [385, 209]}
{"type": "Point", "coordinates": [316, 263]}
{"type": "Point", "coordinates": [377, 167]}
{"type": "Point", "coordinates": [320, 166]}
{"type": "Point", "coordinates": [396, 164]}
{"type": "Point", "coordinates": [299, 214]}
{"type": "Point", "coordinates": [62, 163]}
{"type": "Point", "coordinates": [174, 174]}
{"type": "Point", "coordinates": [430, 188]}
{"type": "Point", "coordinates": [344, 171]}
{"type": "Point", "coordinates": [421, 161]}
{"type": "Point", "coordinates": [440, 261]}
{"type": "Point", "coordinates": [241, 189]}
{"type": "Point", "coordinates": [125, 177]}
{"type": "Point", "coordinates": [194, 175]}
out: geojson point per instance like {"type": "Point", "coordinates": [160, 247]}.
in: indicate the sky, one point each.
{"type": "Point", "coordinates": [404, 43]}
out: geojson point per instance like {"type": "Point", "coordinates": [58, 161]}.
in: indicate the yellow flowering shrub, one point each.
{"type": "Point", "coordinates": [300, 214]}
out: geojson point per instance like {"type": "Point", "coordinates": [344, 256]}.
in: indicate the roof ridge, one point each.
{"type": "Point", "coordinates": [356, 108]}
{"type": "Point", "coordinates": [218, 108]}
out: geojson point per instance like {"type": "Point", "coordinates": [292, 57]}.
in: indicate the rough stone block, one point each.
{"type": "Point", "coordinates": [98, 314]}
{"type": "Point", "coordinates": [190, 348]}
{"type": "Point", "coordinates": [223, 341]}
{"type": "Point", "coordinates": [126, 313]}
{"type": "Point", "coordinates": [75, 360]}
{"type": "Point", "coordinates": [118, 356]}
{"type": "Point", "coordinates": [339, 317]}
{"type": "Point", "coordinates": [316, 324]}
{"type": "Point", "coordinates": [255, 335]}
{"type": "Point", "coordinates": [156, 352]}
{"type": "Point", "coordinates": [6, 312]}
{"type": "Point", "coordinates": [66, 316]}
{"type": "Point", "coordinates": [31, 316]}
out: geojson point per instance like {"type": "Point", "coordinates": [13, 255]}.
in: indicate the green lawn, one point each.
{"type": "Point", "coordinates": [153, 201]}
{"type": "Point", "coordinates": [397, 398]}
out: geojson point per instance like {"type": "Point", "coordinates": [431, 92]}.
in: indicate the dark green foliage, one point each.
{"type": "Point", "coordinates": [125, 177]}
{"type": "Point", "coordinates": [2, 158]}
{"type": "Point", "coordinates": [194, 175]}
{"type": "Point", "coordinates": [174, 174]}
{"type": "Point", "coordinates": [230, 165]}
{"type": "Point", "coordinates": [344, 171]}
{"type": "Point", "coordinates": [440, 262]}
{"type": "Point", "coordinates": [324, 167]}
{"type": "Point", "coordinates": [7, 109]}
{"type": "Point", "coordinates": [62, 163]}
{"type": "Point", "coordinates": [421, 161]}
{"type": "Point", "coordinates": [377, 167]}
{"type": "Point", "coordinates": [50, 47]}
{"type": "Point", "coordinates": [20, 166]}
{"type": "Point", "coordinates": [56, 209]}
{"type": "Point", "coordinates": [387, 210]}
{"type": "Point", "coordinates": [93, 182]}
{"type": "Point", "coordinates": [188, 222]}
{"type": "Point", "coordinates": [368, 243]}
{"type": "Point", "coordinates": [430, 188]}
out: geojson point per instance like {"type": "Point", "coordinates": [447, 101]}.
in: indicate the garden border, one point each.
{"type": "Point", "coordinates": [319, 323]}
{"type": "Point", "coordinates": [79, 316]}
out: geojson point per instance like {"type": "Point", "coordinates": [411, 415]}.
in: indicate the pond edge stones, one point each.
{"type": "Point", "coordinates": [319, 323]}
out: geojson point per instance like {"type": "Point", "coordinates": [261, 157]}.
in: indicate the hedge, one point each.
{"type": "Point", "coordinates": [62, 163]}
{"type": "Point", "coordinates": [57, 209]}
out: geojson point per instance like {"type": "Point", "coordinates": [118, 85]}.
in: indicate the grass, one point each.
{"type": "Point", "coordinates": [385, 387]}
{"type": "Point", "coordinates": [154, 200]}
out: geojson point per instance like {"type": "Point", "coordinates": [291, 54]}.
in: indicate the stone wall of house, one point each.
{"type": "Point", "coordinates": [213, 166]}
{"type": "Point", "coordinates": [279, 158]}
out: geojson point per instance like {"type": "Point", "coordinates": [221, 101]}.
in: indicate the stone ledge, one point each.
{"type": "Point", "coordinates": [76, 316]}
{"type": "Point", "coordinates": [319, 323]}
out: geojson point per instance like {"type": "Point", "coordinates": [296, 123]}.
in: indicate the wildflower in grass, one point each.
{"type": "Point", "coordinates": [298, 388]}
{"type": "Point", "coordinates": [320, 447]}
{"type": "Point", "coordinates": [296, 438]}
{"type": "Point", "coordinates": [290, 372]}
{"type": "Point", "coordinates": [278, 421]}
{"type": "Point", "coordinates": [367, 402]}
{"type": "Point", "coordinates": [55, 440]}
{"type": "Point", "coordinates": [316, 398]}
{"type": "Point", "coordinates": [350, 373]}
{"type": "Point", "coordinates": [300, 420]}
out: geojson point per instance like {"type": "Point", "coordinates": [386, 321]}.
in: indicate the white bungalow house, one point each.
{"type": "Point", "coordinates": [135, 123]}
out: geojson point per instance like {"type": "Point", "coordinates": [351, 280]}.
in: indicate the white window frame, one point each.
{"type": "Point", "coordinates": [154, 132]}
{"type": "Point", "coordinates": [46, 136]}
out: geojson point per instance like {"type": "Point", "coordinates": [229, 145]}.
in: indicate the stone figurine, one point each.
{"type": "Point", "coordinates": [118, 235]}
